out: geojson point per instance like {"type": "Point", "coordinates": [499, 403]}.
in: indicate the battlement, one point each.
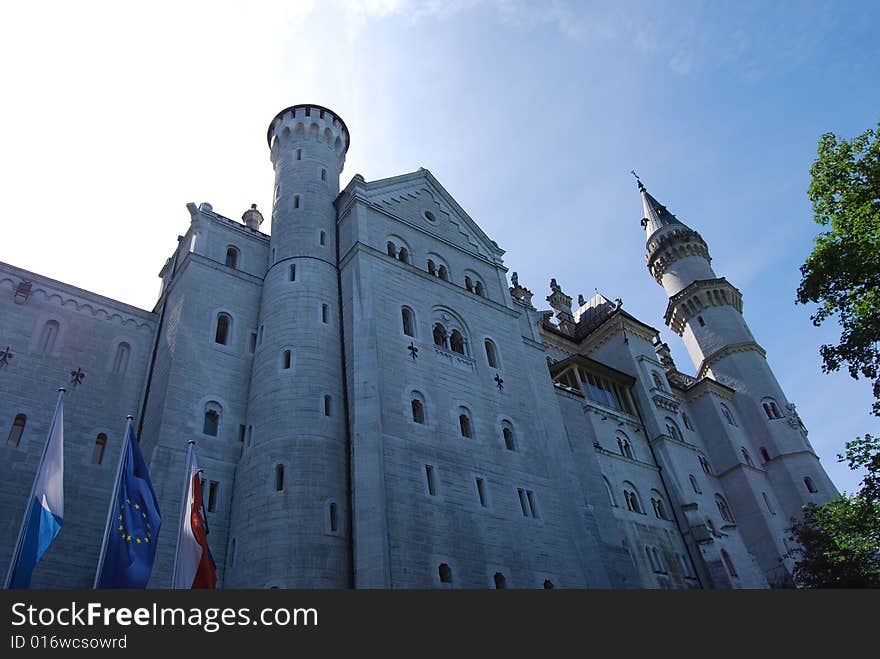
{"type": "Point", "coordinates": [308, 120]}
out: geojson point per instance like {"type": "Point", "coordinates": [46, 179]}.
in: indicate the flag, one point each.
{"type": "Point", "coordinates": [45, 512]}
{"type": "Point", "coordinates": [194, 567]}
{"type": "Point", "coordinates": [133, 523]}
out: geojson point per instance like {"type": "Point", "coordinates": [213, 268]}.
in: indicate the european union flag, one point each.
{"type": "Point", "coordinates": [134, 524]}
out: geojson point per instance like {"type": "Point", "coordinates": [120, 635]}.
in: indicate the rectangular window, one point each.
{"type": "Point", "coordinates": [431, 479]}
{"type": "Point", "coordinates": [286, 360]}
{"type": "Point", "coordinates": [323, 174]}
{"type": "Point", "coordinates": [296, 201]}
{"type": "Point", "coordinates": [533, 506]}
{"type": "Point", "coordinates": [327, 404]}
{"type": "Point", "coordinates": [213, 493]}
{"type": "Point", "coordinates": [242, 431]}
{"type": "Point", "coordinates": [299, 154]}
{"type": "Point", "coordinates": [481, 492]}
{"type": "Point", "coordinates": [253, 344]}
{"type": "Point", "coordinates": [325, 313]}
{"type": "Point", "coordinates": [250, 435]}
{"type": "Point", "coordinates": [523, 502]}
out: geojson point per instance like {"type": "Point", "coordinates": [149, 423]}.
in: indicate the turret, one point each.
{"type": "Point", "coordinates": [291, 493]}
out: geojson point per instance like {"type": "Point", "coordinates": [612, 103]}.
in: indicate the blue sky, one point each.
{"type": "Point", "coordinates": [531, 114]}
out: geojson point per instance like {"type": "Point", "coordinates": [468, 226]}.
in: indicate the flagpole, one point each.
{"type": "Point", "coordinates": [21, 530]}
{"type": "Point", "coordinates": [112, 506]}
{"type": "Point", "coordinates": [183, 508]}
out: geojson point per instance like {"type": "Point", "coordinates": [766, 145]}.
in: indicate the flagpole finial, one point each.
{"type": "Point", "coordinates": [62, 389]}
{"type": "Point", "coordinates": [129, 417]}
{"type": "Point", "coordinates": [190, 441]}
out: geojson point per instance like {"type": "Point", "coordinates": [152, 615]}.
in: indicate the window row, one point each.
{"type": "Point", "coordinates": [498, 580]}
{"type": "Point", "coordinates": [48, 338]}
{"type": "Point", "coordinates": [528, 501]}
{"type": "Point", "coordinates": [599, 389]}
{"type": "Point", "coordinates": [214, 411]}
{"type": "Point", "coordinates": [223, 327]}
{"type": "Point", "coordinates": [448, 337]}
{"type": "Point", "coordinates": [633, 501]}
{"type": "Point", "coordinates": [465, 423]}
{"type": "Point", "coordinates": [20, 422]}
{"type": "Point", "coordinates": [397, 249]}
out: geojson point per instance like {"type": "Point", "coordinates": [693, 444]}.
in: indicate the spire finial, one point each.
{"type": "Point", "coordinates": [638, 180]}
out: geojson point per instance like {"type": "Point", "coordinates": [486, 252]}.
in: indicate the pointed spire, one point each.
{"type": "Point", "coordinates": [656, 215]}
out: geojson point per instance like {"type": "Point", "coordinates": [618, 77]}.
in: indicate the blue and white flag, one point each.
{"type": "Point", "coordinates": [45, 512]}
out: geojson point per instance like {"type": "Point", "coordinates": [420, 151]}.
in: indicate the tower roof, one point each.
{"type": "Point", "coordinates": [656, 215]}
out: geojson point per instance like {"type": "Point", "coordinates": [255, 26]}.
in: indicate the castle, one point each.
{"type": "Point", "coordinates": [374, 405]}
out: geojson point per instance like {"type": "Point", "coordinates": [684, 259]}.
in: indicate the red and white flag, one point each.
{"type": "Point", "coordinates": [194, 567]}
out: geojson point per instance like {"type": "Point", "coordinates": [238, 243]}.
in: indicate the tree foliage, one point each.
{"type": "Point", "coordinates": [839, 542]}
{"type": "Point", "coordinates": [842, 274]}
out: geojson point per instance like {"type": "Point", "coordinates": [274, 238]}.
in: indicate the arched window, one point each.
{"type": "Point", "coordinates": [47, 338]}
{"type": "Point", "coordinates": [727, 415]}
{"type": "Point", "coordinates": [771, 409]}
{"type": "Point", "coordinates": [631, 496]}
{"type": "Point", "coordinates": [764, 455]}
{"type": "Point", "coordinates": [440, 336]}
{"type": "Point", "coordinates": [811, 487]}
{"type": "Point", "coordinates": [609, 491]}
{"type": "Point", "coordinates": [408, 321]}
{"type": "Point", "coordinates": [658, 381]}
{"type": "Point", "coordinates": [657, 505]}
{"type": "Point", "coordinates": [469, 284]}
{"type": "Point", "coordinates": [417, 407]}
{"type": "Point", "coordinates": [500, 580]}
{"type": "Point", "coordinates": [291, 273]}
{"type": "Point", "coordinates": [279, 477]}
{"type": "Point", "coordinates": [211, 426]}
{"type": "Point", "coordinates": [491, 353]}
{"type": "Point", "coordinates": [232, 257]}
{"type": "Point", "coordinates": [767, 503]}
{"type": "Point", "coordinates": [746, 457]}
{"type": "Point", "coordinates": [672, 429]}
{"type": "Point", "coordinates": [445, 573]}
{"type": "Point", "coordinates": [723, 509]}
{"type": "Point", "coordinates": [432, 268]}
{"type": "Point", "coordinates": [392, 249]}
{"type": "Point", "coordinates": [507, 434]}
{"type": "Point", "coordinates": [687, 421]}
{"type": "Point", "coordinates": [728, 563]}
{"type": "Point", "coordinates": [16, 431]}
{"type": "Point", "coordinates": [624, 446]}
{"type": "Point", "coordinates": [100, 445]}
{"type": "Point", "coordinates": [442, 273]}
{"type": "Point", "coordinates": [120, 361]}
{"type": "Point", "coordinates": [478, 289]}
{"type": "Point", "coordinates": [224, 325]}
{"type": "Point", "coordinates": [403, 255]}
{"type": "Point", "coordinates": [464, 423]}
{"type": "Point", "coordinates": [704, 463]}
{"type": "Point", "coordinates": [286, 359]}
{"type": "Point", "coordinates": [694, 484]}
{"type": "Point", "coordinates": [457, 342]}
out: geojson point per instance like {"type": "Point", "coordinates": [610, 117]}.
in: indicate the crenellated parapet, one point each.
{"type": "Point", "coordinates": [671, 244]}
{"type": "Point", "coordinates": [314, 123]}
{"type": "Point", "coordinates": [698, 296]}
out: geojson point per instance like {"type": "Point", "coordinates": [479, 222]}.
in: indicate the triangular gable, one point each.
{"type": "Point", "coordinates": [409, 195]}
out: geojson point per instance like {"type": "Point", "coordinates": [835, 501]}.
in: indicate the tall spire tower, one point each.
{"type": "Point", "coordinates": [706, 311]}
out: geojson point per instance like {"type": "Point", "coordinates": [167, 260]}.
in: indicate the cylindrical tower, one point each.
{"type": "Point", "coordinates": [289, 518]}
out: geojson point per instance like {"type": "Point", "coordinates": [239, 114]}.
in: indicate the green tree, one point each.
{"type": "Point", "coordinates": [838, 543]}
{"type": "Point", "coordinates": [842, 275]}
